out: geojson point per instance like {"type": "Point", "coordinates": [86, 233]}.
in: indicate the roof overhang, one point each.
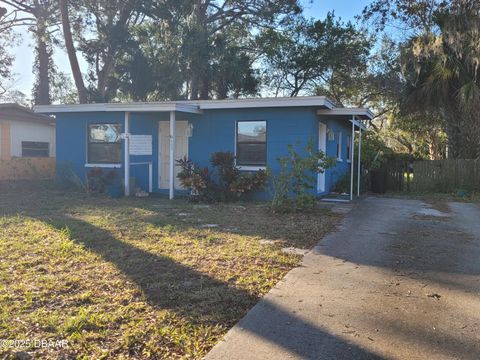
{"type": "Point", "coordinates": [16, 112]}
{"type": "Point", "coordinates": [300, 101]}
{"type": "Point", "coordinates": [351, 113]}
{"type": "Point", "coordinates": [120, 107]}
{"type": "Point", "coordinates": [190, 106]}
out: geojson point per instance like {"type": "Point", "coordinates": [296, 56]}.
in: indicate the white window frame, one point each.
{"type": "Point", "coordinates": [250, 167]}
{"type": "Point", "coordinates": [98, 165]}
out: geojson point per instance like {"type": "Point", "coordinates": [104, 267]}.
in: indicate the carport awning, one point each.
{"type": "Point", "coordinates": [357, 113]}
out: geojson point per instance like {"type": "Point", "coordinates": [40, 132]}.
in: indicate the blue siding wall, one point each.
{"type": "Point", "coordinates": [214, 130]}
{"type": "Point", "coordinates": [71, 139]}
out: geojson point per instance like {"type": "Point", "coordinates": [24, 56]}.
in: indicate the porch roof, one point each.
{"type": "Point", "coordinates": [349, 113]}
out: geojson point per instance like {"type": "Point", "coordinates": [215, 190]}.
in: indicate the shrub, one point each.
{"type": "Point", "coordinates": [197, 179]}
{"type": "Point", "coordinates": [296, 177]}
{"type": "Point", "coordinates": [97, 180]}
{"type": "Point", "coordinates": [230, 183]}
{"type": "Point", "coordinates": [66, 177]}
{"type": "Point", "coordinates": [342, 185]}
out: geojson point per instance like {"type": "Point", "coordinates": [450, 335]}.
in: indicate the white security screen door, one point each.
{"type": "Point", "coordinates": [181, 151]}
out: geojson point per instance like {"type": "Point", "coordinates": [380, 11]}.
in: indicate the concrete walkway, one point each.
{"type": "Point", "coordinates": [398, 280]}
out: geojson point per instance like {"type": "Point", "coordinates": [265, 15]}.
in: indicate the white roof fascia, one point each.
{"type": "Point", "coordinates": [190, 106]}
{"type": "Point", "coordinates": [127, 107]}
{"type": "Point", "coordinates": [265, 103]}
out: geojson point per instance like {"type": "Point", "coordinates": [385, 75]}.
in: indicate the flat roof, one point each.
{"type": "Point", "coordinates": [191, 106]}
{"type": "Point", "coordinates": [120, 107]}
{"type": "Point", "coordinates": [325, 106]}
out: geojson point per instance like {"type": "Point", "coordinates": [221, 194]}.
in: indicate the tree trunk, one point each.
{"type": "Point", "coordinates": [42, 91]}
{"type": "Point", "coordinates": [72, 54]}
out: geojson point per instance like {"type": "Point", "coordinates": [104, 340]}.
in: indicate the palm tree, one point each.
{"type": "Point", "coordinates": [442, 72]}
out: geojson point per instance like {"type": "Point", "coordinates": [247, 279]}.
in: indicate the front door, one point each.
{"type": "Point", "coordinates": [181, 151]}
{"type": "Point", "coordinates": [322, 146]}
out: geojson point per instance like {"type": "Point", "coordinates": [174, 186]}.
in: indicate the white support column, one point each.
{"type": "Point", "coordinates": [150, 177]}
{"type": "Point", "coordinates": [172, 154]}
{"type": "Point", "coordinates": [352, 158]}
{"type": "Point", "coordinates": [127, 154]}
{"type": "Point", "coordinates": [359, 159]}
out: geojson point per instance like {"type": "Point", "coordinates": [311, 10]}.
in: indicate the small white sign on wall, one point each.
{"type": "Point", "coordinates": [140, 144]}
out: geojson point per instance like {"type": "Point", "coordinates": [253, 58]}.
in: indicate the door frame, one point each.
{"type": "Point", "coordinates": [322, 146]}
{"type": "Point", "coordinates": [159, 150]}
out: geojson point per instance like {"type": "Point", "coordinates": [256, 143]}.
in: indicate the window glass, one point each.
{"type": "Point", "coordinates": [35, 149]}
{"type": "Point", "coordinates": [104, 145]}
{"type": "Point", "coordinates": [251, 143]}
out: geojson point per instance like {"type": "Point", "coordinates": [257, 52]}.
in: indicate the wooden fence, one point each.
{"type": "Point", "coordinates": [446, 175]}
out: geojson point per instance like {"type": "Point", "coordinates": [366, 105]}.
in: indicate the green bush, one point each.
{"type": "Point", "coordinates": [296, 178]}
{"type": "Point", "coordinates": [225, 183]}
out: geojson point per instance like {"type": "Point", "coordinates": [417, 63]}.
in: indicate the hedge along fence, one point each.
{"type": "Point", "coordinates": [27, 168]}
{"type": "Point", "coordinates": [446, 175]}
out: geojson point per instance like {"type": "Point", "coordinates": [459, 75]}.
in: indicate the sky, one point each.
{"type": "Point", "coordinates": [346, 9]}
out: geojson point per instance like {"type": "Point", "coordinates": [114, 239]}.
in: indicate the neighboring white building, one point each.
{"type": "Point", "coordinates": [27, 143]}
{"type": "Point", "coordinates": [24, 133]}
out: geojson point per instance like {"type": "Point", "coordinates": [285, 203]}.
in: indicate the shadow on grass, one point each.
{"type": "Point", "coordinates": [165, 283]}
{"type": "Point", "coordinates": [169, 285]}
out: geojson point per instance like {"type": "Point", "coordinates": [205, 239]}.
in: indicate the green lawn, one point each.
{"type": "Point", "coordinates": [137, 278]}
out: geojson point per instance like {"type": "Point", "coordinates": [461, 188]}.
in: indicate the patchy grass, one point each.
{"type": "Point", "coordinates": [137, 278]}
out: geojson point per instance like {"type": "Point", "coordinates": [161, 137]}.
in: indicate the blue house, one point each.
{"type": "Point", "coordinates": [143, 140]}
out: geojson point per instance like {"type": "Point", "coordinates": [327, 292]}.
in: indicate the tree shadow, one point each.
{"type": "Point", "coordinates": [297, 336]}
{"type": "Point", "coordinates": [206, 300]}
{"type": "Point", "coordinates": [165, 283]}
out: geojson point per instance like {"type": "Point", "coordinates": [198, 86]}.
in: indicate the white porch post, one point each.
{"type": "Point", "coordinates": [172, 154]}
{"type": "Point", "coordinates": [127, 154]}
{"type": "Point", "coordinates": [359, 159]}
{"type": "Point", "coordinates": [352, 159]}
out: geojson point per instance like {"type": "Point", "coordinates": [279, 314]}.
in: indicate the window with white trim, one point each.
{"type": "Point", "coordinates": [349, 147]}
{"type": "Point", "coordinates": [104, 144]}
{"type": "Point", "coordinates": [35, 149]}
{"type": "Point", "coordinates": [339, 146]}
{"type": "Point", "coordinates": [251, 147]}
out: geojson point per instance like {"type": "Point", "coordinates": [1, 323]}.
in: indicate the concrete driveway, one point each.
{"type": "Point", "coordinates": [398, 280]}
